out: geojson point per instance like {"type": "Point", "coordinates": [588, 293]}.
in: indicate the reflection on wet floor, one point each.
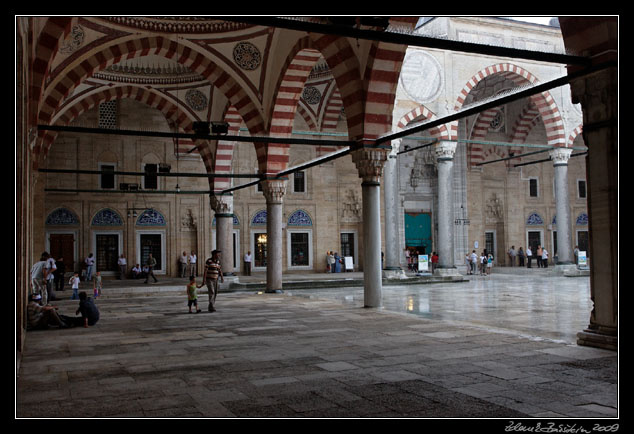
{"type": "Point", "coordinates": [541, 307]}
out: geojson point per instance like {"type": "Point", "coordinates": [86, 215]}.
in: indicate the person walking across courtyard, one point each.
{"type": "Point", "coordinates": [192, 296]}
{"type": "Point", "coordinates": [151, 263]}
{"type": "Point", "coordinates": [213, 272]}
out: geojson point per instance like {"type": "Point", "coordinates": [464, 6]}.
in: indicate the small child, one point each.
{"type": "Point", "coordinates": [192, 297]}
{"type": "Point", "coordinates": [97, 285]}
{"type": "Point", "coordinates": [74, 281]}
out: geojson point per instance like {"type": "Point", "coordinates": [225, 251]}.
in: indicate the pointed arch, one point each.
{"type": "Point", "coordinates": [223, 155]}
{"type": "Point", "coordinates": [273, 157]}
{"type": "Point", "coordinates": [174, 114]}
{"type": "Point", "coordinates": [68, 79]}
{"type": "Point", "coordinates": [422, 113]}
{"type": "Point", "coordinates": [578, 130]}
{"type": "Point", "coordinates": [544, 102]}
{"type": "Point", "coordinates": [44, 52]}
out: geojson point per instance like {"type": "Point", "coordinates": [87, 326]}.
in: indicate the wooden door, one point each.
{"type": "Point", "coordinates": [63, 246]}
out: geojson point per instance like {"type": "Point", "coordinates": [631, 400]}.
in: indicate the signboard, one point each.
{"type": "Point", "coordinates": [423, 263]}
{"type": "Point", "coordinates": [348, 263]}
{"type": "Point", "coordinates": [583, 260]}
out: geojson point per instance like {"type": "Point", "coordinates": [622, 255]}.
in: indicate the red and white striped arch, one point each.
{"type": "Point", "coordinates": [223, 156]}
{"type": "Point", "coordinates": [174, 115]}
{"type": "Point", "coordinates": [544, 102]}
{"type": "Point", "coordinates": [344, 65]}
{"type": "Point", "coordinates": [273, 157]}
{"type": "Point", "coordinates": [307, 115]}
{"type": "Point", "coordinates": [475, 153]}
{"type": "Point", "coordinates": [331, 114]}
{"type": "Point", "coordinates": [112, 52]}
{"type": "Point", "coordinates": [383, 69]}
{"type": "Point", "coordinates": [44, 52]}
{"type": "Point", "coordinates": [383, 80]}
{"type": "Point", "coordinates": [422, 113]}
{"type": "Point", "coordinates": [571, 139]}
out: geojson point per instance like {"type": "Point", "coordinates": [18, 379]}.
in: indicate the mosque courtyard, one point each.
{"type": "Point", "coordinates": [497, 347]}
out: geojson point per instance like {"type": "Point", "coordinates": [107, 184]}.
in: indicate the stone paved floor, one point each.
{"type": "Point", "coordinates": [321, 354]}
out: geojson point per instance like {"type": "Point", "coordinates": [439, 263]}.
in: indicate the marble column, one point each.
{"type": "Point", "coordinates": [444, 152]}
{"type": "Point", "coordinates": [560, 158]}
{"type": "Point", "coordinates": [392, 265]}
{"type": "Point", "coordinates": [223, 208]}
{"type": "Point", "coordinates": [274, 191]}
{"type": "Point", "coordinates": [598, 96]}
{"type": "Point", "coordinates": [370, 162]}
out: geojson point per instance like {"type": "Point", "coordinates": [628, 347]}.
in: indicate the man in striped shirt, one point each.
{"type": "Point", "coordinates": [212, 272]}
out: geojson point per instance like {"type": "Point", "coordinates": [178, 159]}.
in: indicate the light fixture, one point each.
{"type": "Point", "coordinates": [207, 128]}
{"type": "Point", "coordinates": [219, 127]}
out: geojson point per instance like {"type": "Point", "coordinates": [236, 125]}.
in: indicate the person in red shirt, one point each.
{"type": "Point", "coordinates": [434, 261]}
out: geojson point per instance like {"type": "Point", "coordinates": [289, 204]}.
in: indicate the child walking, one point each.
{"type": "Point", "coordinates": [97, 285]}
{"type": "Point", "coordinates": [74, 282]}
{"type": "Point", "coordinates": [192, 296]}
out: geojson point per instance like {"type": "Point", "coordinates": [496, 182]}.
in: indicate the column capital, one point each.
{"type": "Point", "coordinates": [560, 156]}
{"type": "Point", "coordinates": [370, 163]}
{"type": "Point", "coordinates": [274, 190]}
{"type": "Point", "coordinates": [445, 150]}
{"type": "Point", "coordinates": [221, 204]}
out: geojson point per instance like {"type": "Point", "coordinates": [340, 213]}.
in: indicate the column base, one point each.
{"type": "Point", "coordinates": [596, 339]}
{"type": "Point", "coordinates": [274, 291]}
{"type": "Point", "coordinates": [570, 270]}
{"type": "Point", "coordinates": [446, 272]}
{"type": "Point", "coordinates": [229, 280]}
{"type": "Point", "coordinates": [394, 273]}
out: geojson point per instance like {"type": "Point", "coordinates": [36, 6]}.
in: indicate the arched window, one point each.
{"type": "Point", "coordinates": [151, 217]}
{"type": "Point", "coordinates": [582, 219]}
{"type": "Point", "coordinates": [534, 220]}
{"type": "Point", "coordinates": [62, 217]}
{"type": "Point", "coordinates": [259, 219]}
{"type": "Point", "coordinates": [107, 217]}
{"type": "Point", "coordinates": [300, 218]}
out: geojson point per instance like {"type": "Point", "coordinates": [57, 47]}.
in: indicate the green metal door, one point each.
{"type": "Point", "coordinates": [418, 231]}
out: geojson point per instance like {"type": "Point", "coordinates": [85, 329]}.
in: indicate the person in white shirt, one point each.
{"type": "Point", "coordinates": [193, 271]}
{"type": "Point", "coordinates": [529, 257]}
{"type": "Point", "coordinates": [136, 271]}
{"type": "Point", "coordinates": [544, 258]}
{"type": "Point", "coordinates": [247, 263]}
{"type": "Point", "coordinates": [183, 264]}
{"type": "Point", "coordinates": [123, 265]}
{"type": "Point", "coordinates": [474, 261]}
{"type": "Point", "coordinates": [38, 278]}
{"type": "Point", "coordinates": [50, 269]}
{"type": "Point", "coordinates": [90, 262]}
{"type": "Point", "coordinates": [74, 282]}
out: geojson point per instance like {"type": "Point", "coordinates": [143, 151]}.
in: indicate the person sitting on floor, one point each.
{"type": "Point", "coordinates": [41, 317]}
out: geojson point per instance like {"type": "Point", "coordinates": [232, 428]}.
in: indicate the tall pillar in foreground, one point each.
{"type": "Point", "coordinates": [597, 38]}
{"type": "Point", "coordinates": [444, 245]}
{"type": "Point", "coordinates": [560, 158]}
{"type": "Point", "coordinates": [274, 191]}
{"type": "Point", "coordinates": [223, 208]}
{"type": "Point", "coordinates": [599, 95]}
{"type": "Point", "coordinates": [392, 266]}
{"type": "Point", "coordinates": [370, 162]}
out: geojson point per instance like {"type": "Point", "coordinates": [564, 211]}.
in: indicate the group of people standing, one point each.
{"type": "Point", "coordinates": [188, 264]}
{"type": "Point", "coordinates": [540, 255]}
{"type": "Point", "coordinates": [482, 262]}
{"type": "Point", "coordinates": [333, 262]}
